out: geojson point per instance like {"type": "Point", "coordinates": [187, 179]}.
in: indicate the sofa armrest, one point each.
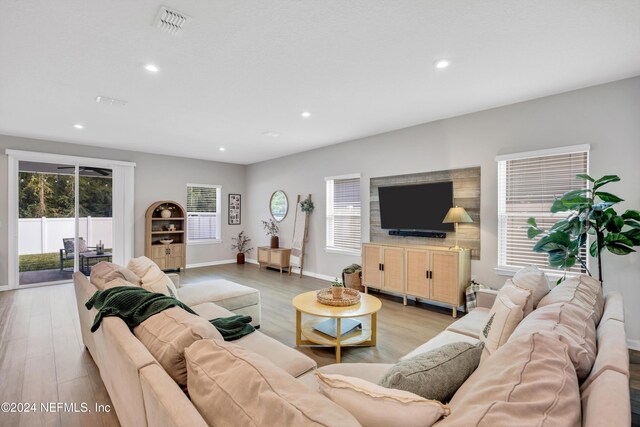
{"type": "Point", "coordinates": [485, 298]}
{"type": "Point", "coordinates": [174, 278]}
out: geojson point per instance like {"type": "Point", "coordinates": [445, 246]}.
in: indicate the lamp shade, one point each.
{"type": "Point", "coordinates": [456, 215]}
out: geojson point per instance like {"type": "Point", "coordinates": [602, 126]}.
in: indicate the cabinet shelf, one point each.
{"type": "Point", "coordinates": [167, 219]}
{"type": "Point", "coordinates": [173, 255]}
{"type": "Point", "coordinates": [168, 232]}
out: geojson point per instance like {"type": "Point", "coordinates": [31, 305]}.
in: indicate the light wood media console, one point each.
{"type": "Point", "coordinates": [431, 273]}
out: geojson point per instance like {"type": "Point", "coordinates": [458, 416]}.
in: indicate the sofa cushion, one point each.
{"type": "Point", "coordinates": [519, 296]}
{"type": "Point", "coordinates": [602, 404]}
{"type": "Point", "coordinates": [168, 333]}
{"type": "Point", "coordinates": [104, 272]}
{"type": "Point", "coordinates": [613, 307]}
{"type": "Point", "coordinates": [377, 406]}
{"type": "Point", "coordinates": [232, 386]}
{"type": "Point", "coordinates": [372, 372]}
{"type": "Point", "coordinates": [224, 293]}
{"type": "Point", "coordinates": [444, 337]}
{"type": "Point", "coordinates": [152, 277]}
{"type": "Point", "coordinates": [140, 265]}
{"type": "Point", "coordinates": [471, 323]}
{"type": "Point", "coordinates": [612, 351]}
{"type": "Point", "coordinates": [533, 279]}
{"type": "Point", "coordinates": [573, 326]}
{"type": "Point", "coordinates": [437, 374]}
{"type": "Point", "coordinates": [162, 285]}
{"type": "Point", "coordinates": [117, 283]}
{"type": "Point", "coordinates": [530, 381]}
{"type": "Point", "coordinates": [583, 291]}
{"type": "Point", "coordinates": [503, 318]}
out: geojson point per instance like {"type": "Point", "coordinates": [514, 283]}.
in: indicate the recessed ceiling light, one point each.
{"type": "Point", "coordinates": [441, 63]}
{"type": "Point", "coordinates": [305, 114]}
{"type": "Point", "coordinates": [221, 148]}
{"type": "Point", "coordinates": [272, 134]}
{"type": "Point", "coordinates": [151, 68]}
{"type": "Point", "coordinates": [78, 126]}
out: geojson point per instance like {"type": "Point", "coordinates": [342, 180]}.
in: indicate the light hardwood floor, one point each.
{"type": "Point", "coordinates": [42, 358]}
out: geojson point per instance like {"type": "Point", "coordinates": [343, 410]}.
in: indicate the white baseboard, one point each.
{"type": "Point", "coordinates": [210, 263]}
{"type": "Point", "coordinates": [633, 344]}
{"type": "Point", "coordinates": [297, 270]}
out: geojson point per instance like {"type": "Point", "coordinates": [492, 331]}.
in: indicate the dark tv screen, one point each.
{"type": "Point", "coordinates": [416, 207]}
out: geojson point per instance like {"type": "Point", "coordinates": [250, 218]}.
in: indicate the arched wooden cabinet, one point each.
{"type": "Point", "coordinates": [162, 226]}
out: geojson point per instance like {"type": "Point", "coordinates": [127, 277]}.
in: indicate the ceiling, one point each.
{"type": "Point", "coordinates": [240, 69]}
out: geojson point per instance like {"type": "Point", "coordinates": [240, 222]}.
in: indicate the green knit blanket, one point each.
{"type": "Point", "coordinates": [134, 305]}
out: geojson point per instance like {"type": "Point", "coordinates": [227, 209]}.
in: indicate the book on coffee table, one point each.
{"type": "Point", "coordinates": [329, 326]}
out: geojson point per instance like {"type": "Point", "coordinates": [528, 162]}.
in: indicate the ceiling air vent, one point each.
{"type": "Point", "coordinates": [110, 101]}
{"type": "Point", "coordinates": [170, 20]}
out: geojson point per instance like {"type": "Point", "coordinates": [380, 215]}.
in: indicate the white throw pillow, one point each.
{"type": "Point", "coordinates": [533, 279]}
{"type": "Point", "coordinates": [503, 318]}
{"type": "Point", "coordinates": [377, 406]}
{"type": "Point", "coordinates": [519, 296]}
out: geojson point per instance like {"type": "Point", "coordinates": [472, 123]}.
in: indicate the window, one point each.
{"type": "Point", "coordinates": [528, 183]}
{"type": "Point", "coordinates": [203, 213]}
{"type": "Point", "coordinates": [343, 214]}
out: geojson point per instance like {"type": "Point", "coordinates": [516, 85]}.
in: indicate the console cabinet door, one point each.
{"type": "Point", "coordinates": [417, 272]}
{"type": "Point", "coordinates": [174, 256]}
{"type": "Point", "coordinates": [371, 274]}
{"type": "Point", "coordinates": [393, 269]}
{"type": "Point", "coordinates": [263, 256]}
{"type": "Point", "coordinates": [444, 277]}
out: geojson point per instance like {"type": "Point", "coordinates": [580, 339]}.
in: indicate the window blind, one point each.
{"type": "Point", "coordinates": [527, 188]}
{"type": "Point", "coordinates": [203, 222]}
{"type": "Point", "coordinates": [343, 214]}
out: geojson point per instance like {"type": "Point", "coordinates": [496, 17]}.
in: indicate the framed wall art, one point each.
{"type": "Point", "coordinates": [234, 209]}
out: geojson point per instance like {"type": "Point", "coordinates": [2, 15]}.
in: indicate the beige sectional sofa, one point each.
{"type": "Point", "coordinates": [144, 394]}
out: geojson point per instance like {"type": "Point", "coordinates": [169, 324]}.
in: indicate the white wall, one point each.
{"type": "Point", "coordinates": [156, 178]}
{"type": "Point", "coordinates": [605, 116]}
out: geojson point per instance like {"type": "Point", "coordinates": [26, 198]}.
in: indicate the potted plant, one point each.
{"type": "Point", "coordinates": [241, 246]}
{"type": "Point", "coordinates": [337, 289]}
{"type": "Point", "coordinates": [271, 228]}
{"type": "Point", "coordinates": [351, 277]}
{"type": "Point", "coordinates": [591, 213]}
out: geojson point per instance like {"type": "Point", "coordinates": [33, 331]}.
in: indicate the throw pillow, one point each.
{"type": "Point", "coordinates": [162, 285]}
{"type": "Point", "coordinates": [534, 280]}
{"type": "Point", "coordinates": [519, 296]}
{"type": "Point", "coordinates": [82, 246]}
{"type": "Point", "coordinates": [116, 283]}
{"type": "Point", "coordinates": [104, 272]}
{"type": "Point", "coordinates": [583, 290]}
{"type": "Point", "coordinates": [572, 325]}
{"type": "Point", "coordinates": [232, 386]}
{"type": "Point", "coordinates": [530, 381]}
{"type": "Point", "coordinates": [168, 333]}
{"type": "Point", "coordinates": [436, 374]}
{"type": "Point", "coordinates": [377, 406]}
{"type": "Point", "coordinates": [504, 316]}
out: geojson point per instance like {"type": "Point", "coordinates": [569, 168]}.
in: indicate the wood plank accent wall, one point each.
{"type": "Point", "coordinates": [466, 194]}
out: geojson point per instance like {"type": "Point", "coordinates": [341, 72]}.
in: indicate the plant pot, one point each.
{"type": "Point", "coordinates": [275, 242]}
{"type": "Point", "coordinates": [337, 292]}
{"type": "Point", "coordinates": [240, 258]}
{"type": "Point", "coordinates": [353, 281]}
{"type": "Point", "coordinates": [165, 213]}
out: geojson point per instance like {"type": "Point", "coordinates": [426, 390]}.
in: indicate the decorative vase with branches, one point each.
{"type": "Point", "coordinates": [591, 213]}
{"type": "Point", "coordinates": [241, 246]}
{"type": "Point", "coordinates": [271, 229]}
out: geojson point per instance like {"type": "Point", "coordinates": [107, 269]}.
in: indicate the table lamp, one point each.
{"type": "Point", "coordinates": [455, 216]}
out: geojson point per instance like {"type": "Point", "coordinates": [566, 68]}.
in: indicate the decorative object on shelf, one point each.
{"type": "Point", "coordinates": [455, 216]}
{"type": "Point", "coordinates": [241, 246]}
{"type": "Point", "coordinates": [619, 234]}
{"type": "Point", "coordinates": [349, 297]}
{"type": "Point", "coordinates": [307, 205]}
{"type": "Point", "coordinates": [235, 209]}
{"type": "Point", "coordinates": [99, 248]}
{"type": "Point", "coordinates": [300, 233]}
{"type": "Point", "coordinates": [352, 277]}
{"type": "Point", "coordinates": [337, 289]}
{"type": "Point", "coordinates": [272, 229]}
{"type": "Point", "coordinates": [278, 205]}
{"type": "Point", "coordinates": [166, 236]}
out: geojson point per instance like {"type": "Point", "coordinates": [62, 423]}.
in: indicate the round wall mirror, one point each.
{"type": "Point", "coordinates": [278, 205]}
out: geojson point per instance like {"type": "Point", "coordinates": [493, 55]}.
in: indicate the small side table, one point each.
{"type": "Point", "coordinates": [86, 257]}
{"type": "Point", "coordinates": [278, 258]}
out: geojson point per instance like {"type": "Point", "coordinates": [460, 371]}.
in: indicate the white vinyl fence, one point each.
{"type": "Point", "coordinates": [44, 235]}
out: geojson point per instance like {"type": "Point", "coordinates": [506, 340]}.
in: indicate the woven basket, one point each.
{"type": "Point", "coordinates": [350, 297]}
{"type": "Point", "coordinates": [353, 281]}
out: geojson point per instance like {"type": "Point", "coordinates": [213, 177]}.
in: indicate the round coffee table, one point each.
{"type": "Point", "coordinates": [305, 334]}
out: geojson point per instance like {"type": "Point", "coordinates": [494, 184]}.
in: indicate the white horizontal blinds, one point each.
{"type": "Point", "coordinates": [527, 188]}
{"type": "Point", "coordinates": [202, 212]}
{"type": "Point", "coordinates": [343, 214]}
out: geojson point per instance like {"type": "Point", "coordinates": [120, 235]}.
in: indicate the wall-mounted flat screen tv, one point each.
{"type": "Point", "coordinates": [416, 207]}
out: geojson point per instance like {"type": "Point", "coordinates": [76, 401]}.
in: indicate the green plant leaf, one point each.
{"type": "Point", "coordinates": [631, 214]}
{"type": "Point", "coordinates": [617, 238]}
{"type": "Point", "coordinates": [532, 222]}
{"type": "Point", "coordinates": [593, 249]}
{"type": "Point", "coordinates": [533, 232]}
{"type": "Point", "coordinates": [614, 224]}
{"type": "Point", "coordinates": [633, 235]}
{"type": "Point", "coordinates": [585, 177]}
{"type": "Point", "coordinates": [574, 193]}
{"type": "Point", "coordinates": [608, 197]}
{"type": "Point", "coordinates": [558, 206]}
{"type": "Point", "coordinates": [631, 223]}
{"type": "Point", "coordinates": [618, 248]}
{"type": "Point", "coordinates": [601, 206]}
{"type": "Point", "coordinates": [605, 180]}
